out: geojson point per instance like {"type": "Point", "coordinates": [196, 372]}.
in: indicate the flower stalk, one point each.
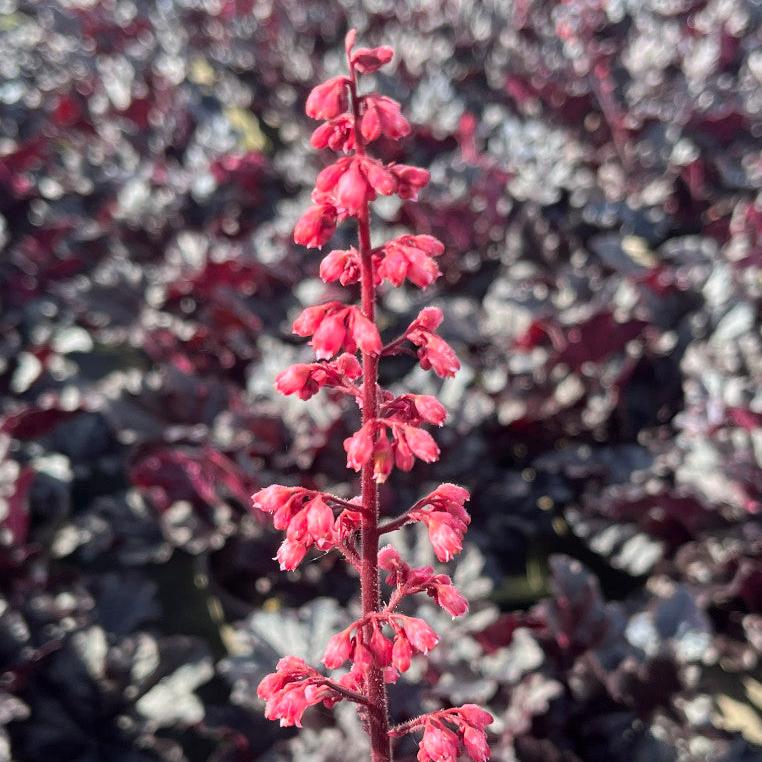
{"type": "Point", "coordinates": [382, 642]}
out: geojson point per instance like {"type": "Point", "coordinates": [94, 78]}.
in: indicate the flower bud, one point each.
{"type": "Point", "coordinates": [402, 653]}
{"type": "Point", "coordinates": [353, 190]}
{"type": "Point", "coordinates": [319, 519]}
{"type": "Point", "coordinates": [420, 635]}
{"type": "Point", "coordinates": [430, 409]}
{"type": "Point", "coordinates": [450, 599]}
{"type": "Point", "coordinates": [475, 742]}
{"type": "Point", "coordinates": [290, 554]}
{"type": "Point", "coordinates": [364, 332]}
{"type": "Point", "coordinates": [421, 443]}
{"type": "Point", "coordinates": [316, 226]}
{"type": "Point", "coordinates": [329, 337]}
{"type": "Point", "coordinates": [445, 541]}
{"type": "Point", "coordinates": [409, 180]}
{"type": "Point", "coordinates": [328, 99]}
{"type": "Point", "coordinates": [271, 498]}
{"type": "Point", "coordinates": [475, 715]}
{"type": "Point", "coordinates": [359, 448]}
{"type": "Point", "coordinates": [440, 743]}
{"type": "Point", "coordinates": [368, 60]}
{"type": "Point", "coordinates": [294, 380]}
{"type": "Point", "coordinates": [338, 650]}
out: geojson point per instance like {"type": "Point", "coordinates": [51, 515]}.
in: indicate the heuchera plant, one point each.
{"type": "Point", "coordinates": [380, 644]}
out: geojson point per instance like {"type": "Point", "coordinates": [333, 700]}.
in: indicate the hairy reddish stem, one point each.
{"type": "Point", "coordinates": [351, 556]}
{"type": "Point", "coordinates": [378, 712]}
{"type": "Point", "coordinates": [395, 524]}
{"type": "Point", "coordinates": [346, 693]}
{"type": "Point", "coordinates": [414, 724]}
{"type": "Point", "coordinates": [345, 503]}
{"type": "Point", "coordinates": [401, 520]}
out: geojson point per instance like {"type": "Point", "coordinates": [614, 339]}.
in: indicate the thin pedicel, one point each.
{"type": "Point", "coordinates": [381, 643]}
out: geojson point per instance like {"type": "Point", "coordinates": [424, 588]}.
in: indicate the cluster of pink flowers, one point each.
{"type": "Point", "coordinates": [434, 353]}
{"type": "Point", "coordinates": [294, 687]}
{"type": "Point", "coordinates": [335, 326]}
{"type": "Point", "coordinates": [408, 256]}
{"type": "Point", "coordinates": [444, 515]}
{"type": "Point", "coordinates": [440, 743]}
{"type": "Point", "coordinates": [379, 645]}
{"type": "Point", "coordinates": [307, 379]}
{"type": "Point", "coordinates": [307, 516]}
{"type": "Point", "coordinates": [409, 635]}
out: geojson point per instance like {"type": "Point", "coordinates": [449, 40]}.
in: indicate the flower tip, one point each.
{"type": "Point", "coordinates": [349, 40]}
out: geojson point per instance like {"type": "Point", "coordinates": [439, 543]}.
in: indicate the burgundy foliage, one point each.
{"type": "Point", "coordinates": [590, 322]}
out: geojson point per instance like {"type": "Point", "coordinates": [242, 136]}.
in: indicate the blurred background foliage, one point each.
{"type": "Point", "coordinates": [595, 170]}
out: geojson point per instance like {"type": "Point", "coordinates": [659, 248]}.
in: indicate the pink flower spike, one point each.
{"type": "Point", "coordinates": [425, 243]}
{"type": "Point", "coordinates": [346, 523]}
{"type": "Point", "coordinates": [429, 319]}
{"type": "Point", "coordinates": [334, 326]}
{"type": "Point", "coordinates": [348, 366]}
{"type": "Point", "coordinates": [306, 379]}
{"type": "Point", "coordinates": [389, 559]}
{"type": "Point", "coordinates": [437, 354]}
{"type": "Point", "coordinates": [449, 494]}
{"type": "Point", "coordinates": [380, 178]}
{"type": "Point", "coordinates": [310, 318]}
{"type": "Point", "coordinates": [444, 514]}
{"type": "Point", "coordinates": [391, 675]}
{"type": "Point", "coordinates": [382, 642]}
{"type": "Point", "coordinates": [410, 257]}
{"type": "Point", "coordinates": [383, 458]}
{"type": "Point", "coordinates": [403, 455]}
{"type": "Point", "coordinates": [291, 689]}
{"type": "Point", "coordinates": [288, 707]}
{"type": "Point", "coordinates": [294, 380]}
{"type": "Point", "coordinates": [328, 99]}
{"type": "Point", "coordinates": [362, 656]}
{"type": "Point", "coordinates": [330, 336]}
{"type": "Point", "coordinates": [381, 648]}
{"type": "Point", "coordinates": [394, 266]}
{"type": "Point", "coordinates": [319, 519]}
{"type": "Point", "coordinates": [329, 177]}
{"type": "Point", "coordinates": [434, 352]}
